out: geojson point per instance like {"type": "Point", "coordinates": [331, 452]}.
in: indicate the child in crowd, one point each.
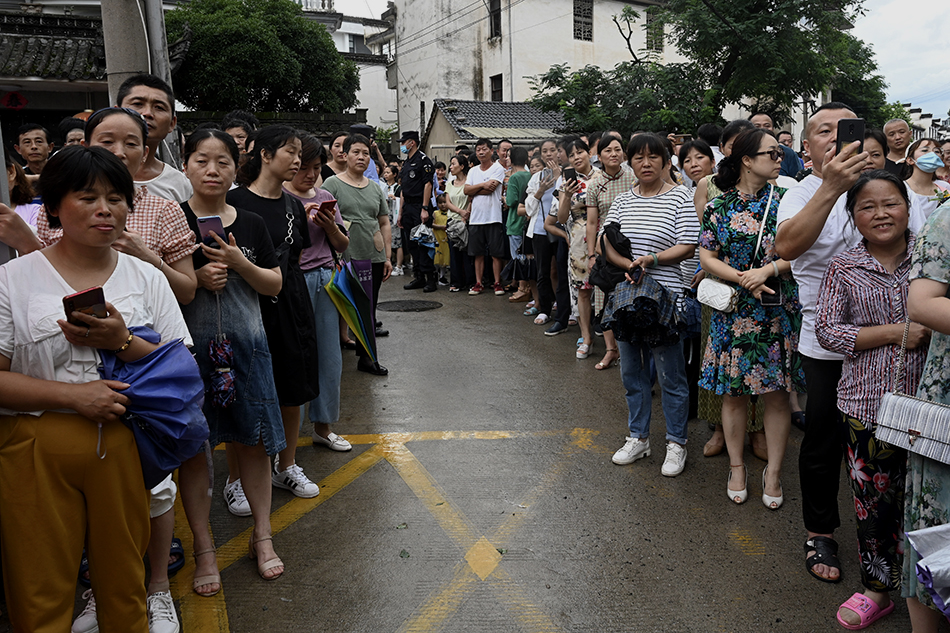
{"type": "Point", "coordinates": [440, 218]}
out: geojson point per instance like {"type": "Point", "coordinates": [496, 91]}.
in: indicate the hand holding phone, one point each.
{"type": "Point", "coordinates": [91, 301]}
{"type": "Point", "coordinates": [208, 225]}
{"type": "Point", "coordinates": [570, 174]}
{"type": "Point", "coordinates": [849, 131]}
{"type": "Point", "coordinates": [635, 274]}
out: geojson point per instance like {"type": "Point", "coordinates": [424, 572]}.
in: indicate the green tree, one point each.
{"type": "Point", "coordinates": [260, 56]}
{"type": "Point", "coordinates": [893, 111]}
{"type": "Point", "coordinates": [858, 84]}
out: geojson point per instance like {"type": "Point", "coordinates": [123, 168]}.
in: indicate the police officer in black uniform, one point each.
{"type": "Point", "coordinates": [415, 208]}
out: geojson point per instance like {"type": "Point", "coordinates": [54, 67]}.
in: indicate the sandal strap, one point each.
{"type": "Point", "coordinates": [213, 550]}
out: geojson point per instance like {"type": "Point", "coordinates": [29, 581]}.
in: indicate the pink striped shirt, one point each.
{"type": "Point", "coordinates": [858, 292]}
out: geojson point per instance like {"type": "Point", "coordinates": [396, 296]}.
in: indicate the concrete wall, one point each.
{"type": "Point", "coordinates": [376, 97]}
{"type": "Point", "coordinates": [443, 49]}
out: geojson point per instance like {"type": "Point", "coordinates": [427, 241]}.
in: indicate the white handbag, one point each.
{"type": "Point", "coordinates": [722, 296]}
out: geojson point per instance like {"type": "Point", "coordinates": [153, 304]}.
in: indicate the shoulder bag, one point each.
{"type": "Point", "coordinates": [722, 296]}
{"type": "Point", "coordinates": [914, 424]}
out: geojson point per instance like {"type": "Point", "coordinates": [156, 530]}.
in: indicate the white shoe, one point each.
{"type": "Point", "coordinates": [294, 480]}
{"type": "Point", "coordinates": [632, 450]}
{"type": "Point", "coordinates": [87, 622]}
{"type": "Point", "coordinates": [397, 271]}
{"type": "Point", "coordinates": [161, 613]}
{"type": "Point", "coordinates": [675, 460]}
{"type": "Point", "coordinates": [236, 500]}
{"type": "Point", "coordinates": [334, 442]}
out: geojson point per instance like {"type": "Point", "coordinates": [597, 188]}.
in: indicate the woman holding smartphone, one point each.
{"type": "Point", "coordinates": [752, 350]}
{"type": "Point", "coordinates": [235, 265]}
{"type": "Point", "coordinates": [61, 440]}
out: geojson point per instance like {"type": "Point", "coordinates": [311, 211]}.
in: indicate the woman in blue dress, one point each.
{"type": "Point", "coordinates": [754, 348]}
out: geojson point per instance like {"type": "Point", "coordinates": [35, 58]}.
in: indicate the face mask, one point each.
{"type": "Point", "coordinates": [403, 150]}
{"type": "Point", "coordinates": [929, 163]}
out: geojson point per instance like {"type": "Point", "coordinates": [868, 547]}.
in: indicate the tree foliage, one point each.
{"type": "Point", "coordinates": [260, 56]}
{"type": "Point", "coordinates": [858, 84]}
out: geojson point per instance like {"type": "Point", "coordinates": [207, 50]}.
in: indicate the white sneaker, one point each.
{"type": "Point", "coordinates": [294, 480]}
{"type": "Point", "coordinates": [675, 460]}
{"type": "Point", "coordinates": [237, 502]}
{"type": "Point", "coordinates": [632, 450]}
{"type": "Point", "coordinates": [397, 271]}
{"type": "Point", "coordinates": [161, 613]}
{"type": "Point", "coordinates": [87, 622]}
{"type": "Point", "coordinates": [334, 442]}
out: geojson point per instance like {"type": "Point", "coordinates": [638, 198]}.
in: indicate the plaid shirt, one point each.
{"type": "Point", "coordinates": [602, 190]}
{"type": "Point", "coordinates": [161, 223]}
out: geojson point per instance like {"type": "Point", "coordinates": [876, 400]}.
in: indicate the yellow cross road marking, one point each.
{"type": "Point", "coordinates": [481, 559]}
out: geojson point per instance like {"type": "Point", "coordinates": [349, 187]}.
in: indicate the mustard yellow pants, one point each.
{"type": "Point", "coordinates": [56, 494]}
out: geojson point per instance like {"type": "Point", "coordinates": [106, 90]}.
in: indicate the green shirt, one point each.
{"type": "Point", "coordinates": [361, 208]}
{"type": "Point", "coordinates": [517, 184]}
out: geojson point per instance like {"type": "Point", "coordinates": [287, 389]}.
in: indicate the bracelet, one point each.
{"type": "Point", "coordinates": [161, 264]}
{"type": "Point", "coordinates": [128, 342]}
{"type": "Point", "coordinates": [775, 267]}
{"type": "Point", "coordinates": [656, 260]}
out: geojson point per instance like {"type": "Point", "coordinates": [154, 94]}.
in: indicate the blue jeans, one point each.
{"type": "Point", "coordinates": [325, 407]}
{"type": "Point", "coordinates": [514, 243]}
{"type": "Point", "coordinates": [671, 374]}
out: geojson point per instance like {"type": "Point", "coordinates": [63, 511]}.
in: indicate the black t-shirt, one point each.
{"type": "Point", "coordinates": [249, 232]}
{"type": "Point", "coordinates": [416, 173]}
{"type": "Point", "coordinates": [892, 167]}
{"type": "Point", "coordinates": [274, 213]}
{"type": "Point", "coordinates": [326, 172]}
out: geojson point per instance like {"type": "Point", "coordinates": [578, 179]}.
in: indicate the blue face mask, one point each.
{"type": "Point", "coordinates": [929, 163]}
{"type": "Point", "coordinates": [403, 150]}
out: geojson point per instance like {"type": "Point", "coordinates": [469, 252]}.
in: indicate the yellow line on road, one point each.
{"type": "Point", "coordinates": [440, 607]}
{"type": "Point", "coordinates": [510, 594]}
{"type": "Point", "coordinates": [747, 543]}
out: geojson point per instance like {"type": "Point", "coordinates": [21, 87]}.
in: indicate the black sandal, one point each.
{"type": "Point", "coordinates": [826, 553]}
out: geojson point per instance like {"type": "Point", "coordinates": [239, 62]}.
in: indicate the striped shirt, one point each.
{"type": "Point", "coordinates": [655, 224]}
{"type": "Point", "coordinates": [858, 292]}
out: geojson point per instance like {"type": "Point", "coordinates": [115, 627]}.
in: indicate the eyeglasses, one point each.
{"type": "Point", "coordinates": [774, 154]}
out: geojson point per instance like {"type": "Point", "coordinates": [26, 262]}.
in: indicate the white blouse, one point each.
{"type": "Point", "coordinates": [31, 301]}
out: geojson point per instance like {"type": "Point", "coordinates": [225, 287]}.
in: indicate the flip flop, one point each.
{"type": "Point", "coordinates": [176, 550]}
{"type": "Point", "coordinates": [826, 553]}
{"type": "Point", "coordinates": [530, 312]}
{"type": "Point", "coordinates": [867, 610]}
{"type": "Point", "coordinates": [798, 419]}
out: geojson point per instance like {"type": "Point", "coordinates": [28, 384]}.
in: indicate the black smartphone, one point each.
{"type": "Point", "coordinates": [570, 174]}
{"type": "Point", "coordinates": [773, 284]}
{"type": "Point", "coordinates": [209, 224]}
{"type": "Point", "coordinates": [849, 131]}
{"type": "Point", "coordinates": [637, 274]}
{"type": "Point", "coordinates": [91, 301]}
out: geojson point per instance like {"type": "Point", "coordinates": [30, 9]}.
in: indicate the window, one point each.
{"type": "Point", "coordinates": [496, 93]}
{"type": "Point", "coordinates": [494, 18]}
{"type": "Point", "coordinates": [351, 41]}
{"type": "Point", "coordinates": [654, 31]}
{"type": "Point", "coordinates": [584, 20]}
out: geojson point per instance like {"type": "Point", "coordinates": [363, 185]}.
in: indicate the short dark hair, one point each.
{"type": "Point", "coordinates": [832, 105]}
{"type": "Point", "coordinates": [734, 129]}
{"type": "Point", "coordinates": [29, 127]}
{"type": "Point", "coordinates": [461, 147]}
{"type": "Point", "coordinates": [650, 142]}
{"type": "Point", "coordinates": [504, 140]}
{"type": "Point", "coordinates": [700, 146]}
{"type": "Point", "coordinates": [69, 124]}
{"type": "Point", "coordinates": [576, 143]}
{"type": "Point", "coordinates": [438, 165]}
{"type": "Point", "coordinates": [877, 135]}
{"type": "Point", "coordinates": [191, 145]}
{"type": "Point", "coordinates": [463, 162]}
{"type": "Point", "coordinates": [208, 125]}
{"type": "Point", "coordinates": [149, 81]}
{"type": "Point", "coordinates": [336, 135]}
{"type": "Point", "coordinates": [268, 139]}
{"type": "Point", "coordinates": [865, 178]}
{"type": "Point", "coordinates": [760, 113]}
{"type": "Point", "coordinates": [440, 196]}
{"type": "Point", "coordinates": [606, 139]}
{"type": "Point", "coordinates": [484, 141]}
{"type": "Point", "coordinates": [780, 132]}
{"type": "Point", "coordinates": [101, 115]}
{"type": "Point", "coordinates": [311, 149]}
{"type": "Point", "coordinates": [353, 139]}
{"type": "Point", "coordinates": [711, 133]}
{"type": "Point", "coordinates": [518, 156]}
{"type": "Point", "coordinates": [240, 118]}
{"type": "Point", "coordinates": [76, 168]}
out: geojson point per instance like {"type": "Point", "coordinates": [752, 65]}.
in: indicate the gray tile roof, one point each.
{"type": "Point", "coordinates": [472, 119]}
{"type": "Point", "coordinates": [51, 48]}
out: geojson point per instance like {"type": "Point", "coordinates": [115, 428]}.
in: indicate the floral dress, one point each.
{"type": "Point", "coordinates": [927, 491]}
{"type": "Point", "coordinates": [577, 229]}
{"type": "Point", "coordinates": [754, 348]}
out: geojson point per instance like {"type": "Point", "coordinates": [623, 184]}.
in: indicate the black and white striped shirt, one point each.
{"type": "Point", "coordinates": [655, 224]}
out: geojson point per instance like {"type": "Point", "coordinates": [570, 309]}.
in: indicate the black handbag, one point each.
{"type": "Point", "coordinates": [603, 274]}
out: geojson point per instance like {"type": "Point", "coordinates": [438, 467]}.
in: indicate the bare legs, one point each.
{"type": "Point", "coordinates": [194, 482]}
{"type": "Point", "coordinates": [777, 422]}
{"type": "Point", "coordinates": [159, 544]}
{"type": "Point", "coordinates": [584, 314]}
{"type": "Point", "coordinates": [922, 619]}
{"type": "Point", "coordinates": [291, 419]}
{"type": "Point", "coordinates": [256, 479]}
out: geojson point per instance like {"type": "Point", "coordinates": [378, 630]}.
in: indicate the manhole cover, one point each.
{"type": "Point", "coordinates": [408, 306]}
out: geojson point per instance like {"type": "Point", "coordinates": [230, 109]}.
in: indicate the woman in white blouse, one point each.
{"type": "Point", "coordinates": [69, 468]}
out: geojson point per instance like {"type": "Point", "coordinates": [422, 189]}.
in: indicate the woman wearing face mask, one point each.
{"type": "Point", "coordinates": [924, 158]}
{"type": "Point", "coordinates": [862, 317]}
{"type": "Point", "coordinates": [602, 189]}
{"type": "Point", "coordinates": [288, 317]}
{"type": "Point", "coordinates": [572, 211]}
{"type": "Point", "coordinates": [317, 262]}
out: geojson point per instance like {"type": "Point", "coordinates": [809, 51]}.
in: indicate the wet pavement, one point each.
{"type": "Point", "coordinates": [480, 496]}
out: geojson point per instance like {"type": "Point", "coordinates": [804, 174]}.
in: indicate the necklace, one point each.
{"type": "Point", "coordinates": [651, 194]}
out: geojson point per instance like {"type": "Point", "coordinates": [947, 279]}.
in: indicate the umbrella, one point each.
{"type": "Point", "coordinates": [222, 356]}
{"type": "Point", "coordinates": [425, 237]}
{"type": "Point", "coordinates": [166, 394]}
{"type": "Point", "coordinates": [351, 301]}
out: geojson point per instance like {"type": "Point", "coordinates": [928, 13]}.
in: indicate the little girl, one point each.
{"type": "Point", "coordinates": [440, 219]}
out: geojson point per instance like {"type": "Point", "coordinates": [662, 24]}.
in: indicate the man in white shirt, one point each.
{"type": "Point", "coordinates": [814, 227]}
{"type": "Point", "coordinates": [153, 99]}
{"type": "Point", "coordinates": [486, 232]}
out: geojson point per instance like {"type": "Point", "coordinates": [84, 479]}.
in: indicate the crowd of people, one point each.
{"type": "Point", "coordinates": [728, 268]}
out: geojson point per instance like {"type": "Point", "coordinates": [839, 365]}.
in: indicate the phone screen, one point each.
{"type": "Point", "coordinates": [209, 224]}
{"type": "Point", "coordinates": [91, 301]}
{"type": "Point", "coordinates": [849, 131]}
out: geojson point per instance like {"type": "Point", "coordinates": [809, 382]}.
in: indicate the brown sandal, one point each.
{"type": "Point", "coordinates": [599, 366]}
{"type": "Point", "coordinates": [210, 579]}
{"type": "Point", "coordinates": [266, 565]}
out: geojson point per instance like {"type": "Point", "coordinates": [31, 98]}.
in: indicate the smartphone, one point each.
{"type": "Point", "coordinates": [209, 224]}
{"type": "Point", "coordinates": [773, 284]}
{"type": "Point", "coordinates": [682, 138]}
{"type": "Point", "coordinates": [91, 301]}
{"type": "Point", "coordinates": [637, 274]}
{"type": "Point", "coordinates": [327, 207]}
{"type": "Point", "coordinates": [849, 131]}
{"type": "Point", "coordinates": [546, 173]}
{"type": "Point", "coordinates": [570, 174]}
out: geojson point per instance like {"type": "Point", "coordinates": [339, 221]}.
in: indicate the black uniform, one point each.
{"type": "Point", "coordinates": [416, 172]}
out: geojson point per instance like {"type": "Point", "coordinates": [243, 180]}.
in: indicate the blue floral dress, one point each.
{"type": "Point", "coordinates": [927, 492]}
{"type": "Point", "coordinates": [754, 348]}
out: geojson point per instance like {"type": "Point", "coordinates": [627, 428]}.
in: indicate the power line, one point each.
{"type": "Point", "coordinates": [450, 33]}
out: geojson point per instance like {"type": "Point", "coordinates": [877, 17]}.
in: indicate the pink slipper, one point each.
{"type": "Point", "coordinates": [866, 608]}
